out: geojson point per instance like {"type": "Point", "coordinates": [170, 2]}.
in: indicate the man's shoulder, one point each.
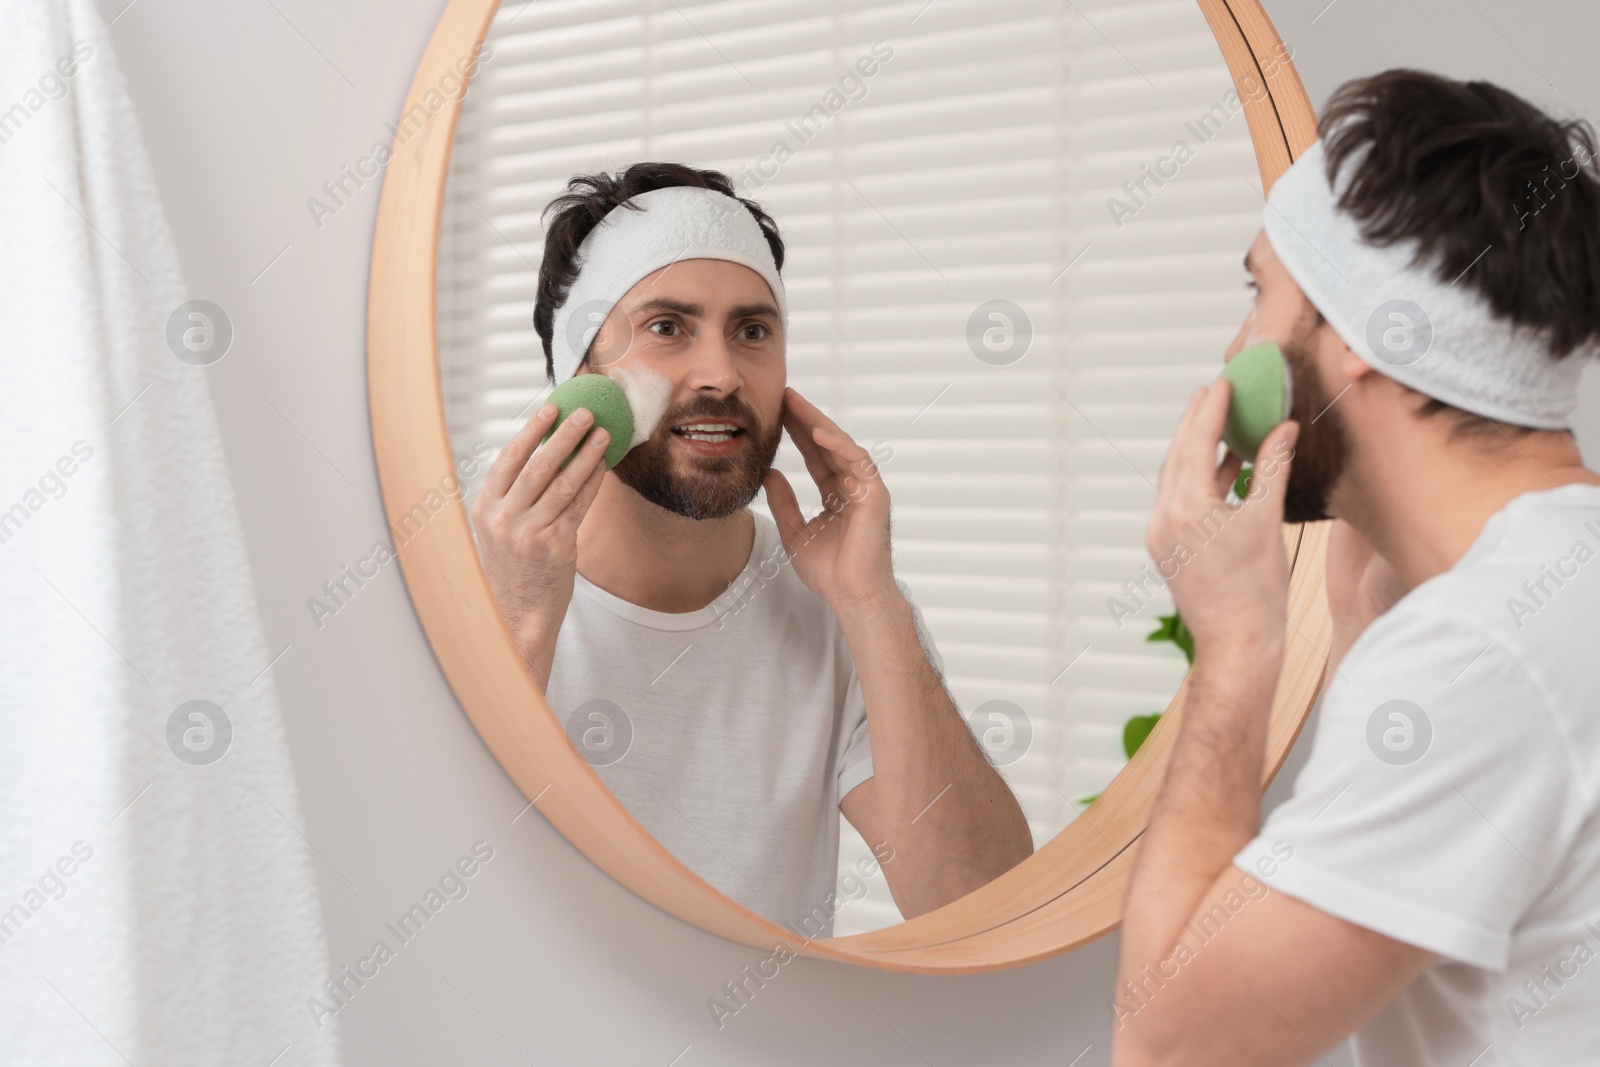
{"type": "Point", "coordinates": [1424, 645]}
{"type": "Point", "coordinates": [1442, 635]}
{"type": "Point", "coordinates": [1528, 586]}
{"type": "Point", "coordinates": [1473, 648]}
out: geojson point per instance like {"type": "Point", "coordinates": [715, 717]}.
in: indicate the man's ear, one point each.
{"type": "Point", "coordinates": [1351, 366]}
{"type": "Point", "coordinates": [1332, 351]}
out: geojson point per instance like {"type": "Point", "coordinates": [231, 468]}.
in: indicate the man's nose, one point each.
{"type": "Point", "coordinates": [711, 365]}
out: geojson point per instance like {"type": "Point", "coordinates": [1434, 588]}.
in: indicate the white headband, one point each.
{"type": "Point", "coordinates": [678, 222]}
{"type": "Point", "coordinates": [1436, 337]}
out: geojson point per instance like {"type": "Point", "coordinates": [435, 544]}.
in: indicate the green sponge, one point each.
{"type": "Point", "coordinates": [1260, 397]}
{"type": "Point", "coordinates": [609, 404]}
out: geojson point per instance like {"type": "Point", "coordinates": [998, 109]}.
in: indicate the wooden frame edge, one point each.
{"type": "Point", "coordinates": [1066, 895]}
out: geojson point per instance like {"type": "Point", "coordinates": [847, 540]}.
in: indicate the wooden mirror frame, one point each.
{"type": "Point", "coordinates": [1065, 895]}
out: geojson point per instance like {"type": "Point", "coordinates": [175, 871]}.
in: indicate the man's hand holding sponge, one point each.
{"type": "Point", "coordinates": [628, 405]}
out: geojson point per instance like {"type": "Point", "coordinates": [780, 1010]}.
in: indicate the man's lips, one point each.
{"type": "Point", "coordinates": [709, 437]}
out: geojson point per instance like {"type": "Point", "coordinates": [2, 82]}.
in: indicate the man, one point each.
{"type": "Point", "coordinates": [737, 680]}
{"type": "Point", "coordinates": [1431, 268]}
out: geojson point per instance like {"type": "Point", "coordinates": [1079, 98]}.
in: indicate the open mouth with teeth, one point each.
{"type": "Point", "coordinates": [709, 437]}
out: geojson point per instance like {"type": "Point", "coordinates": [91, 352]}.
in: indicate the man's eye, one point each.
{"type": "Point", "coordinates": [761, 334]}
{"type": "Point", "coordinates": [667, 323]}
{"type": "Point", "coordinates": [1252, 286]}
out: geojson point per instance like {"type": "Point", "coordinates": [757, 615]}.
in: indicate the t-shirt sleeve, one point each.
{"type": "Point", "coordinates": [855, 766]}
{"type": "Point", "coordinates": [1439, 796]}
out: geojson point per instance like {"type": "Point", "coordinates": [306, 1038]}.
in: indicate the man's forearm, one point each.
{"type": "Point", "coordinates": [951, 819]}
{"type": "Point", "coordinates": [1210, 801]}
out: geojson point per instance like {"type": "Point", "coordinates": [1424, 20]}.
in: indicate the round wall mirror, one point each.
{"type": "Point", "coordinates": [1013, 241]}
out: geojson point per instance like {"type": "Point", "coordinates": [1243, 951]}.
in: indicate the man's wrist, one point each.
{"type": "Point", "coordinates": [531, 634]}
{"type": "Point", "coordinates": [870, 604]}
{"type": "Point", "coordinates": [864, 608]}
{"type": "Point", "coordinates": [1241, 659]}
{"type": "Point", "coordinates": [1243, 643]}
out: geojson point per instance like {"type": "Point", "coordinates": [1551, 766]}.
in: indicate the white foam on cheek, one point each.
{"type": "Point", "coordinates": [649, 395]}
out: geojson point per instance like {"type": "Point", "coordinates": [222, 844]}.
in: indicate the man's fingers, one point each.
{"type": "Point", "coordinates": [802, 419]}
{"type": "Point", "coordinates": [844, 455]}
{"type": "Point", "coordinates": [784, 506]}
{"type": "Point", "coordinates": [1195, 446]}
{"type": "Point", "coordinates": [1169, 462]}
{"type": "Point", "coordinates": [815, 456]}
{"type": "Point", "coordinates": [509, 462]}
{"type": "Point", "coordinates": [1276, 454]}
{"type": "Point", "coordinates": [806, 411]}
{"type": "Point", "coordinates": [832, 455]}
{"type": "Point", "coordinates": [565, 486]}
{"type": "Point", "coordinates": [797, 424]}
{"type": "Point", "coordinates": [1228, 473]}
{"type": "Point", "coordinates": [537, 472]}
{"type": "Point", "coordinates": [571, 516]}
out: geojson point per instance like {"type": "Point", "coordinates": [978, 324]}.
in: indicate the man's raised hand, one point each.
{"type": "Point", "coordinates": [843, 553]}
{"type": "Point", "coordinates": [527, 515]}
{"type": "Point", "coordinates": [1225, 564]}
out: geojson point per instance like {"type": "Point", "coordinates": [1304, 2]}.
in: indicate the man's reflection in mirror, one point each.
{"type": "Point", "coordinates": [737, 677]}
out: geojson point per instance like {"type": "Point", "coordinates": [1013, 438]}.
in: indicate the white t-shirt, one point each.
{"type": "Point", "coordinates": [731, 733]}
{"type": "Point", "coordinates": [1469, 827]}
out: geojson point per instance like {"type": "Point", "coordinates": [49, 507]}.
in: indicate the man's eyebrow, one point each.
{"type": "Point", "coordinates": [1247, 266]}
{"type": "Point", "coordinates": [666, 303]}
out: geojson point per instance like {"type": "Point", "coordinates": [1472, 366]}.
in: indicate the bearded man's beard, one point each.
{"type": "Point", "coordinates": [1323, 449]}
{"type": "Point", "coordinates": [702, 487]}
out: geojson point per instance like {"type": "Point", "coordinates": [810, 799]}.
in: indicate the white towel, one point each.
{"type": "Point", "coordinates": [150, 910]}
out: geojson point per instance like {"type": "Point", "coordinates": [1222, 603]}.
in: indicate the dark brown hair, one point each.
{"type": "Point", "coordinates": [1470, 170]}
{"type": "Point", "coordinates": [588, 199]}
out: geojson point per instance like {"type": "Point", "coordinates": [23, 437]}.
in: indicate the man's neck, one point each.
{"type": "Point", "coordinates": [656, 559]}
{"type": "Point", "coordinates": [1422, 503]}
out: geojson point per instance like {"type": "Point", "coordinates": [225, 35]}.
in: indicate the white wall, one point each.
{"type": "Point", "coordinates": [247, 108]}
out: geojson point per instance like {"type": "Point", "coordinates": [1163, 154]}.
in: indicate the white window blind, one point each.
{"type": "Point", "coordinates": [975, 164]}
